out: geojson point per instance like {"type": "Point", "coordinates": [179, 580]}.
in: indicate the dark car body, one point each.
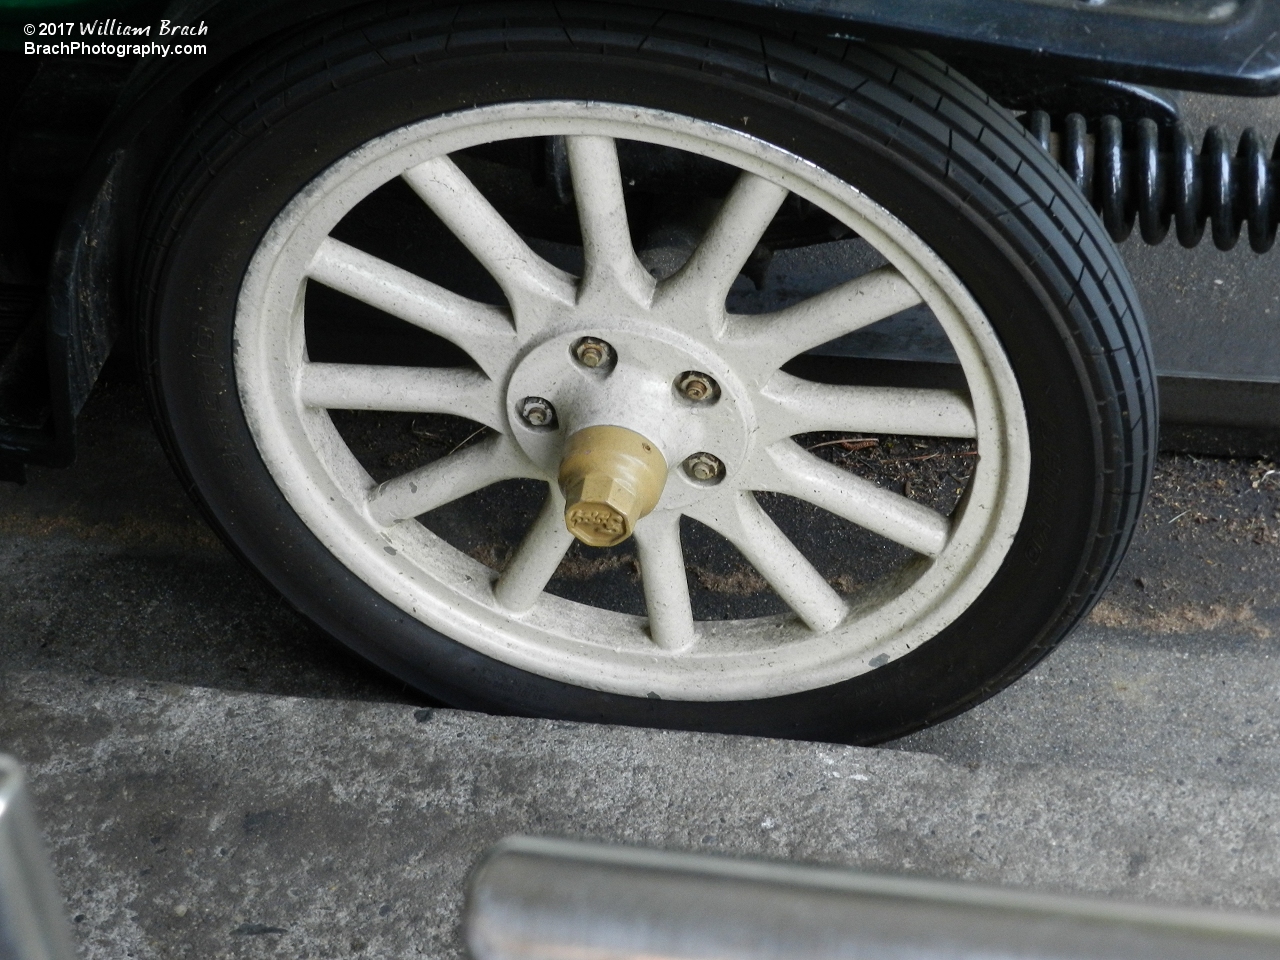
{"type": "Point", "coordinates": [83, 134]}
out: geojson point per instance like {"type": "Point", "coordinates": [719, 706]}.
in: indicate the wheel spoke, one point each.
{"type": "Point", "coordinates": [738, 518]}
{"type": "Point", "coordinates": [536, 559]}
{"type": "Point", "coordinates": [743, 218]}
{"type": "Point", "coordinates": [802, 406]}
{"type": "Point", "coordinates": [445, 480]}
{"type": "Point", "coordinates": [483, 331]}
{"type": "Point", "coordinates": [351, 386]}
{"type": "Point", "coordinates": [802, 475]}
{"type": "Point", "coordinates": [666, 586]}
{"type": "Point", "coordinates": [767, 341]}
{"type": "Point", "coordinates": [611, 261]}
{"type": "Point", "coordinates": [530, 283]}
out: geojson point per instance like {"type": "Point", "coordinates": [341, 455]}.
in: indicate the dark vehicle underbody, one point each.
{"type": "Point", "coordinates": [82, 137]}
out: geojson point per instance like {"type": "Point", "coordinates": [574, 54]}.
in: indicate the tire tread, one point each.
{"type": "Point", "coordinates": [927, 112]}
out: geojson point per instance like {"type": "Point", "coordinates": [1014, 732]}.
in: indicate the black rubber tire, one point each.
{"type": "Point", "coordinates": [898, 125]}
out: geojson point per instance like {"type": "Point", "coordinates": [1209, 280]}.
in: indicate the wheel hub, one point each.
{"type": "Point", "coordinates": [621, 425]}
{"type": "Point", "coordinates": [610, 477]}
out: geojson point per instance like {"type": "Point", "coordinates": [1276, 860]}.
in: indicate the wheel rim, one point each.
{"type": "Point", "coordinates": [679, 324]}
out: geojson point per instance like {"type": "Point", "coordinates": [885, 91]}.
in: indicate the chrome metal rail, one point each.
{"type": "Point", "coordinates": [534, 899]}
{"type": "Point", "coordinates": [32, 924]}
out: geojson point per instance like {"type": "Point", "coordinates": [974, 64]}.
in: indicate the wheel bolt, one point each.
{"type": "Point", "coordinates": [537, 412]}
{"type": "Point", "coordinates": [593, 353]}
{"type": "Point", "coordinates": [704, 467]}
{"type": "Point", "coordinates": [697, 387]}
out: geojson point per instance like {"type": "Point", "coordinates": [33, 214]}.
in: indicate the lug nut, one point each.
{"type": "Point", "coordinates": [697, 387]}
{"type": "Point", "coordinates": [704, 467]}
{"type": "Point", "coordinates": [537, 412]}
{"type": "Point", "coordinates": [593, 353]}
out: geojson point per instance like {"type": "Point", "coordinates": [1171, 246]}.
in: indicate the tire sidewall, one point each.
{"type": "Point", "coordinates": [1029, 604]}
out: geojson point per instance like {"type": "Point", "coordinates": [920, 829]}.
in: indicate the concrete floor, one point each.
{"type": "Point", "coordinates": [217, 780]}
{"type": "Point", "coordinates": [193, 822]}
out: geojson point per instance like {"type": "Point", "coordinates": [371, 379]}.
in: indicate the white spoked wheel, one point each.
{"type": "Point", "coordinates": [655, 332]}
{"type": "Point", "coordinates": [428, 295]}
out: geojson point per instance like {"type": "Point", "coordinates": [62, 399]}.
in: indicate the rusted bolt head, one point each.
{"type": "Point", "coordinates": [697, 387]}
{"type": "Point", "coordinates": [537, 412]}
{"type": "Point", "coordinates": [704, 467]}
{"type": "Point", "coordinates": [593, 353]}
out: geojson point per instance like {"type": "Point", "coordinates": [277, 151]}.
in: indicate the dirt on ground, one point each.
{"type": "Point", "coordinates": [1206, 555]}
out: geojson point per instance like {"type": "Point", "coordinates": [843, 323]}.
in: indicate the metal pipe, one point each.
{"type": "Point", "coordinates": [32, 924]}
{"type": "Point", "coordinates": [536, 899]}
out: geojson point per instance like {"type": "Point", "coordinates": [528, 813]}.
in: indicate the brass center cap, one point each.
{"type": "Point", "coordinates": [610, 478]}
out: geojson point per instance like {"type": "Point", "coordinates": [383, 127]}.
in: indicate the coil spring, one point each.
{"type": "Point", "coordinates": [1135, 170]}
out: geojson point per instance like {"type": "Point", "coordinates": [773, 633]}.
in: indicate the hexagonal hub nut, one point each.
{"type": "Point", "coordinates": [610, 477]}
{"type": "Point", "coordinates": [602, 512]}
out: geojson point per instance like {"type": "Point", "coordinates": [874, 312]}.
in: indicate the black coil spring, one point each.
{"type": "Point", "coordinates": [1137, 171]}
